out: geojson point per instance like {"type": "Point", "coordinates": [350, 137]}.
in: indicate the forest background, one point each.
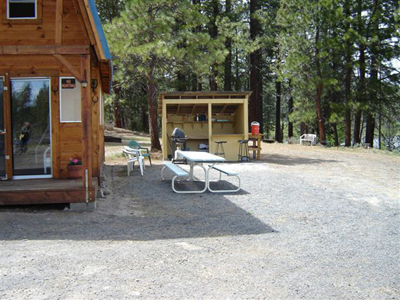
{"type": "Point", "coordinates": [329, 67]}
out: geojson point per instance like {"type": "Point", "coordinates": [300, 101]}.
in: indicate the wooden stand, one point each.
{"type": "Point", "coordinates": [256, 145]}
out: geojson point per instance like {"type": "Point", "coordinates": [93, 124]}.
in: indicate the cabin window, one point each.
{"type": "Point", "coordinates": [70, 100]}
{"type": "Point", "coordinates": [21, 9]}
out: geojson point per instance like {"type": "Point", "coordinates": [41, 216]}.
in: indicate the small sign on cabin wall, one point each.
{"type": "Point", "coordinates": [68, 83]}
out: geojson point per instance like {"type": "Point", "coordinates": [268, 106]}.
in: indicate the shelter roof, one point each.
{"type": "Point", "coordinates": [205, 96]}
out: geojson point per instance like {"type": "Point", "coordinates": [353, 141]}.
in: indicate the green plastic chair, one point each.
{"type": "Point", "coordinates": [135, 145]}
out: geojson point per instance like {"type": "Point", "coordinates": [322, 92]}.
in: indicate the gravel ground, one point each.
{"type": "Point", "coordinates": [310, 223]}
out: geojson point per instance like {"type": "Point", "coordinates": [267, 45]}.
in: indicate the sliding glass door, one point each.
{"type": "Point", "coordinates": [31, 131]}
{"type": "Point", "coordinates": [2, 132]}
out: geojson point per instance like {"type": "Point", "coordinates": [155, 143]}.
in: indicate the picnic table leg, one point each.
{"type": "Point", "coordinates": [191, 173]}
{"type": "Point", "coordinates": [191, 178]}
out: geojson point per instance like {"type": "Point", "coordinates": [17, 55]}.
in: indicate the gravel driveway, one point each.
{"type": "Point", "coordinates": [310, 223]}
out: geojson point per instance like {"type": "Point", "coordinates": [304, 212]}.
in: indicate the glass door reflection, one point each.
{"type": "Point", "coordinates": [30, 115]}
{"type": "Point", "coordinates": [2, 132]}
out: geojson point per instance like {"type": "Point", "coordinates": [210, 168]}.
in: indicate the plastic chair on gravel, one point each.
{"type": "Point", "coordinates": [132, 156]}
{"type": "Point", "coordinates": [135, 145]}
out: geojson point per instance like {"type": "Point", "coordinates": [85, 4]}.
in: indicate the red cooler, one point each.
{"type": "Point", "coordinates": [255, 128]}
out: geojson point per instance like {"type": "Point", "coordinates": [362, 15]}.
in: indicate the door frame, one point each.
{"type": "Point", "coordinates": [3, 131]}
{"type": "Point", "coordinates": [7, 125]}
{"type": "Point", "coordinates": [21, 177]}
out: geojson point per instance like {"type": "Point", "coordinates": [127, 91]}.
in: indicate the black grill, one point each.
{"type": "Point", "coordinates": [178, 138]}
{"type": "Point", "coordinates": [178, 135]}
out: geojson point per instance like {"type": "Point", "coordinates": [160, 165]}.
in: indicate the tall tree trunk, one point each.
{"type": "Point", "coordinates": [319, 111]}
{"type": "Point", "coordinates": [256, 101]}
{"type": "Point", "coordinates": [357, 127]}
{"type": "Point", "coordinates": [214, 35]}
{"type": "Point", "coordinates": [228, 45]}
{"type": "Point", "coordinates": [278, 134]}
{"type": "Point", "coordinates": [373, 80]}
{"type": "Point", "coordinates": [370, 129]}
{"type": "Point", "coordinates": [361, 87]}
{"type": "Point", "coordinates": [290, 110]}
{"type": "Point", "coordinates": [237, 78]}
{"type": "Point", "coordinates": [194, 82]}
{"type": "Point", "coordinates": [302, 128]}
{"type": "Point", "coordinates": [151, 96]}
{"type": "Point", "coordinates": [181, 81]}
{"type": "Point", "coordinates": [320, 87]}
{"type": "Point", "coordinates": [194, 77]}
{"type": "Point", "coordinates": [379, 130]}
{"type": "Point", "coordinates": [335, 134]}
{"type": "Point", "coordinates": [348, 69]}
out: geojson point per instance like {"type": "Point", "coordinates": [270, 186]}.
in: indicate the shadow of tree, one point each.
{"type": "Point", "coordinates": [140, 208]}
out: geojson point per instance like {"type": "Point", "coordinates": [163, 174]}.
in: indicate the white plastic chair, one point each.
{"type": "Point", "coordinates": [312, 138]}
{"type": "Point", "coordinates": [132, 156]}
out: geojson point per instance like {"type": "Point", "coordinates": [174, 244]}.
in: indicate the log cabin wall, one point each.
{"type": "Point", "coordinates": [60, 24]}
{"type": "Point", "coordinates": [43, 32]}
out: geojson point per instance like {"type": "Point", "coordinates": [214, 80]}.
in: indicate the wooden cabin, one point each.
{"type": "Point", "coordinates": [55, 66]}
{"type": "Point", "coordinates": [205, 117]}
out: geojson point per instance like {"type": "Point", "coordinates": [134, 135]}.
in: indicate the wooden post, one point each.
{"type": "Point", "coordinates": [164, 128]}
{"type": "Point", "coordinates": [59, 21]}
{"type": "Point", "coordinates": [86, 121]}
{"type": "Point", "coordinates": [55, 126]}
{"type": "Point", "coordinates": [210, 138]}
{"type": "Point", "coordinates": [95, 96]}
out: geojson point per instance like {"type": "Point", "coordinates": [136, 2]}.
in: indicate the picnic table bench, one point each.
{"type": "Point", "coordinates": [179, 172]}
{"type": "Point", "coordinates": [226, 172]}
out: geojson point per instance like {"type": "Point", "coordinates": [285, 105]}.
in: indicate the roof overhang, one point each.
{"type": "Point", "coordinates": [106, 75]}
{"type": "Point", "coordinates": [100, 45]}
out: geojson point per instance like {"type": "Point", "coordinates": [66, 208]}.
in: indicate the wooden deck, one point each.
{"type": "Point", "coordinates": [45, 191]}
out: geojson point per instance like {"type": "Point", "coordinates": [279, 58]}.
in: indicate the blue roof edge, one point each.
{"type": "Point", "coordinates": [99, 29]}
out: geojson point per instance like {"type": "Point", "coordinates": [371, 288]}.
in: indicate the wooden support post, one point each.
{"type": "Point", "coordinates": [245, 117]}
{"type": "Point", "coordinates": [59, 21]}
{"type": "Point", "coordinates": [86, 121]}
{"type": "Point", "coordinates": [95, 96]}
{"type": "Point", "coordinates": [164, 128]}
{"type": "Point", "coordinates": [55, 126]}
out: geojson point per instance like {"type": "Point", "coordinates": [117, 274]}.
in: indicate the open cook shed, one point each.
{"type": "Point", "coordinates": [205, 117]}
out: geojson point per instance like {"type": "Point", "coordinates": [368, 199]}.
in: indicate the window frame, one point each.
{"type": "Point", "coordinates": [29, 21]}
{"type": "Point", "coordinates": [60, 99]}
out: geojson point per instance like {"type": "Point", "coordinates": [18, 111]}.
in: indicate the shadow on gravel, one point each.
{"type": "Point", "coordinates": [139, 209]}
{"type": "Point", "coordinates": [291, 160]}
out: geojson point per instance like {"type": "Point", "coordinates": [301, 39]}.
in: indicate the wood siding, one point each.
{"type": "Point", "coordinates": [57, 44]}
{"type": "Point", "coordinates": [29, 33]}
